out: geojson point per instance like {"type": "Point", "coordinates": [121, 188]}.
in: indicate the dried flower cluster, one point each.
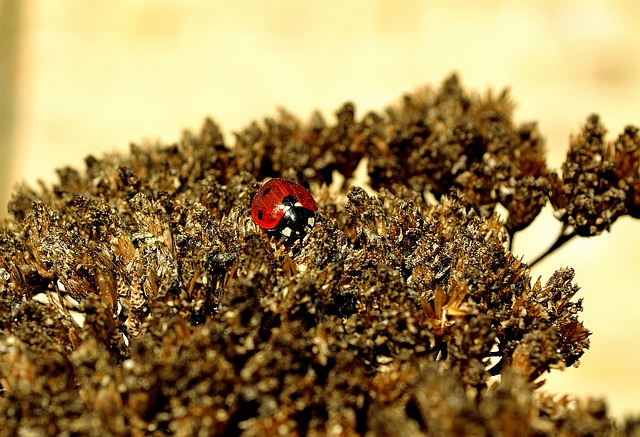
{"type": "Point", "coordinates": [138, 296]}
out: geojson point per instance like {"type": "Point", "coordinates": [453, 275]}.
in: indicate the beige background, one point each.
{"type": "Point", "coordinates": [94, 76]}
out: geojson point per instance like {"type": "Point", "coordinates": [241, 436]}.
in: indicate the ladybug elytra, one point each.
{"type": "Point", "coordinates": [284, 208]}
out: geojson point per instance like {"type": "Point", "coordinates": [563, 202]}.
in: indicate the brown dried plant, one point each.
{"type": "Point", "coordinates": [138, 297]}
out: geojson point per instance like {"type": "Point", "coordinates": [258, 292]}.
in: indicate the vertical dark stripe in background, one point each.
{"type": "Point", "coordinates": [9, 34]}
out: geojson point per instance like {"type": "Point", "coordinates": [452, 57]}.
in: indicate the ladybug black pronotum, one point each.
{"type": "Point", "coordinates": [285, 209]}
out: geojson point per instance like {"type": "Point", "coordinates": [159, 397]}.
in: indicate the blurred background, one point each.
{"type": "Point", "coordinates": [79, 78]}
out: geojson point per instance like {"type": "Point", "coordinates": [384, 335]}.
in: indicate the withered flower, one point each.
{"type": "Point", "coordinates": [138, 296]}
{"type": "Point", "coordinates": [589, 195]}
{"type": "Point", "coordinates": [586, 196]}
{"type": "Point", "coordinates": [627, 168]}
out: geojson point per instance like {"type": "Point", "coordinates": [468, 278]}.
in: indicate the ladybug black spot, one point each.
{"type": "Point", "coordinates": [290, 200]}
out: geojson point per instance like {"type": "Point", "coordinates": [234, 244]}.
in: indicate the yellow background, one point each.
{"type": "Point", "coordinates": [92, 77]}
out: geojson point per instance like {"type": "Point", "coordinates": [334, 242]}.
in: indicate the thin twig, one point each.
{"type": "Point", "coordinates": [566, 234]}
{"type": "Point", "coordinates": [511, 237]}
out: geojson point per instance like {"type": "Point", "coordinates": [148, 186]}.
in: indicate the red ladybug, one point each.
{"type": "Point", "coordinates": [284, 208]}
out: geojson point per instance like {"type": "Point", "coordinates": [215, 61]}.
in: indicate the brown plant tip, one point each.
{"type": "Point", "coordinates": [138, 296]}
{"type": "Point", "coordinates": [453, 139]}
{"type": "Point", "coordinates": [588, 197]}
{"type": "Point", "coordinates": [627, 167]}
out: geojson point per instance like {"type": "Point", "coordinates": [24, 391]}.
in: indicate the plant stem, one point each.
{"type": "Point", "coordinates": [566, 234]}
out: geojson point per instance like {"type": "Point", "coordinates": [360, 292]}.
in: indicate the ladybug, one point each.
{"type": "Point", "coordinates": [284, 208]}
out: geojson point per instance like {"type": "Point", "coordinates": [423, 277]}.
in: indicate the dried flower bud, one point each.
{"type": "Point", "coordinates": [627, 167]}
{"type": "Point", "coordinates": [587, 197]}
